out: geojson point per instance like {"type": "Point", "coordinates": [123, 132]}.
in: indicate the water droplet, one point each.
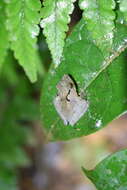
{"type": "Point", "coordinates": [47, 20]}
{"type": "Point", "coordinates": [115, 181]}
{"type": "Point", "coordinates": [94, 74]}
{"type": "Point", "coordinates": [109, 35]}
{"type": "Point", "coordinates": [34, 31]}
{"type": "Point", "coordinates": [14, 38]}
{"type": "Point", "coordinates": [7, 1]}
{"type": "Point", "coordinates": [125, 39]}
{"type": "Point", "coordinates": [79, 36]}
{"type": "Point", "coordinates": [62, 4]}
{"type": "Point", "coordinates": [98, 123]}
{"type": "Point", "coordinates": [108, 171]}
{"type": "Point", "coordinates": [84, 4]}
{"type": "Point", "coordinates": [123, 8]}
{"type": "Point", "coordinates": [78, 129]}
{"type": "Point", "coordinates": [52, 72]}
{"type": "Point", "coordinates": [121, 21]}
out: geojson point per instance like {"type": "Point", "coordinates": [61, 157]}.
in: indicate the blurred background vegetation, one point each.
{"type": "Point", "coordinates": [26, 161]}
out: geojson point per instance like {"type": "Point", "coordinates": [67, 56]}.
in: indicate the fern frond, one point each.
{"type": "Point", "coordinates": [23, 19]}
{"type": "Point", "coordinates": [3, 33]}
{"type": "Point", "coordinates": [55, 14]}
{"type": "Point", "coordinates": [123, 8]}
{"type": "Point", "coordinates": [99, 17]}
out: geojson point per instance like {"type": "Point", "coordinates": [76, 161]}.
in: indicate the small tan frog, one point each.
{"type": "Point", "coordinates": [69, 105]}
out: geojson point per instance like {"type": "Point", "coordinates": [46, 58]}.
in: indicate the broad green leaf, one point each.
{"type": "Point", "coordinates": [111, 173]}
{"type": "Point", "coordinates": [123, 8]}
{"type": "Point", "coordinates": [98, 78]}
{"type": "Point", "coordinates": [55, 14]}
{"type": "Point", "coordinates": [99, 17]}
{"type": "Point", "coordinates": [23, 17]}
{"type": "Point", "coordinates": [3, 33]}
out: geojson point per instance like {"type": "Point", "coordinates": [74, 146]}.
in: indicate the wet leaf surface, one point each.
{"type": "Point", "coordinates": [102, 82]}
{"type": "Point", "coordinates": [111, 173]}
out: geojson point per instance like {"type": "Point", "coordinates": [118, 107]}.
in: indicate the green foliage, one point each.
{"type": "Point", "coordinates": [99, 18]}
{"type": "Point", "coordinates": [55, 14]}
{"type": "Point", "coordinates": [94, 56]}
{"type": "Point", "coordinates": [96, 77]}
{"type": "Point", "coordinates": [110, 173]}
{"type": "Point", "coordinates": [23, 17]}
{"type": "Point", "coordinates": [17, 109]}
{"type": "Point", "coordinates": [123, 8]}
{"type": "Point", "coordinates": [3, 33]}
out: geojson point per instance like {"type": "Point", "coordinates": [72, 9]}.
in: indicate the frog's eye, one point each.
{"type": "Point", "coordinates": [71, 85]}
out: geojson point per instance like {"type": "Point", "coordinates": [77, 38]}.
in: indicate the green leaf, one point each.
{"type": "Point", "coordinates": [123, 8]}
{"type": "Point", "coordinates": [23, 17]}
{"type": "Point", "coordinates": [111, 173]}
{"type": "Point", "coordinates": [98, 78]}
{"type": "Point", "coordinates": [3, 33]}
{"type": "Point", "coordinates": [99, 17]}
{"type": "Point", "coordinates": [55, 14]}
